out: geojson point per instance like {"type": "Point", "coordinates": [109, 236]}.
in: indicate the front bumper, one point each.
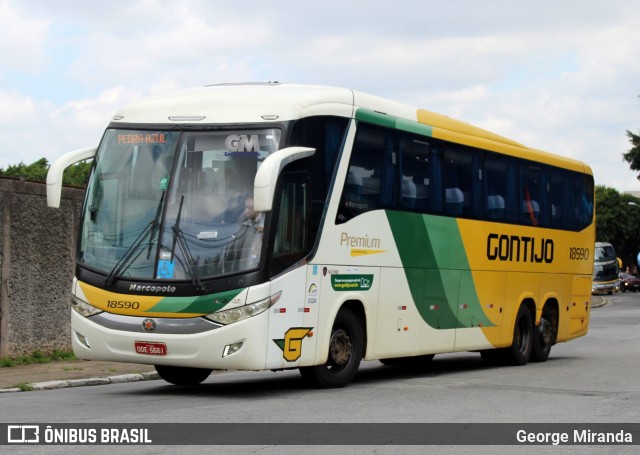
{"type": "Point", "coordinates": [194, 343]}
{"type": "Point", "coordinates": [609, 286]}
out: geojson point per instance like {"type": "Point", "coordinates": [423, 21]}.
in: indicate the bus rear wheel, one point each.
{"type": "Point", "coordinates": [544, 335]}
{"type": "Point", "coordinates": [182, 375]}
{"type": "Point", "coordinates": [520, 350]}
{"type": "Point", "coordinates": [346, 349]}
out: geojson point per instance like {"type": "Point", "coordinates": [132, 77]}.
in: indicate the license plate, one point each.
{"type": "Point", "coordinates": [150, 348]}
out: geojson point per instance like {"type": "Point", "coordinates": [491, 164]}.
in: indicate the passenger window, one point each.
{"type": "Point", "coordinates": [496, 187]}
{"type": "Point", "coordinates": [417, 185]}
{"type": "Point", "coordinates": [371, 178]}
{"type": "Point", "coordinates": [530, 194]}
{"type": "Point", "coordinates": [582, 201]}
{"type": "Point", "coordinates": [458, 179]}
{"type": "Point", "coordinates": [560, 199]}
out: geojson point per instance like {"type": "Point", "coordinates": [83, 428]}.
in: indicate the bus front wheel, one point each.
{"type": "Point", "coordinates": [346, 349]}
{"type": "Point", "coordinates": [182, 375]}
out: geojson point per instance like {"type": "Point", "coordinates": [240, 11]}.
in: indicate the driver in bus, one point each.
{"type": "Point", "coordinates": [251, 217]}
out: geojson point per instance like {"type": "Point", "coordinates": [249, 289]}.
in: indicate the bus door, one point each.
{"type": "Point", "coordinates": [293, 318]}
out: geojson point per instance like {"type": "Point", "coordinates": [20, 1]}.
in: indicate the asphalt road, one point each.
{"type": "Point", "coordinates": [593, 379]}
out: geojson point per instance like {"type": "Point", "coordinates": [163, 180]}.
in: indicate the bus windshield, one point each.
{"type": "Point", "coordinates": [175, 206]}
{"type": "Point", "coordinates": [604, 253]}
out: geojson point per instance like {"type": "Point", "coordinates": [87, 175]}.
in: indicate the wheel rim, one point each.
{"type": "Point", "coordinates": [546, 334]}
{"type": "Point", "coordinates": [340, 350]}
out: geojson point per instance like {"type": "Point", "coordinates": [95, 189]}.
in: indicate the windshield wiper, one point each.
{"type": "Point", "coordinates": [128, 254]}
{"type": "Point", "coordinates": [154, 224]}
{"type": "Point", "coordinates": [178, 237]}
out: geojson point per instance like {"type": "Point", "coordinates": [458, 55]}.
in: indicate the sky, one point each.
{"type": "Point", "coordinates": [561, 76]}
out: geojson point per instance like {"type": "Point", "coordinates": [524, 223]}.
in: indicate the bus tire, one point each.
{"type": "Point", "coordinates": [544, 335]}
{"type": "Point", "coordinates": [182, 375]}
{"type": "Point", "coordinates": [346, 349]}
{"type": "Point", "coordinates": [520, 350]}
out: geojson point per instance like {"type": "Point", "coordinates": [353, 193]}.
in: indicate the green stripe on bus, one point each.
{"type": "Point", "coordinates": [376, 118]}
{"type": "Point", "coordinates": [390, 121]}
{"type": "Point", "coordinates": [414, 127]}
{"type": "Point", "coordinates": [204, 304]}
{"type": "Point", "coordinates": [437, 270]}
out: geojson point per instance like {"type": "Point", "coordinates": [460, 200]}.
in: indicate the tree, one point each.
{"type": "Point", "coordinates": [633, 155]}
{"type": "Point", "coordinates": [617, 222]}
{"type": "Point", "coordinates": [37, 172]}
{"type": "Point", "coordinates": [77, 174]}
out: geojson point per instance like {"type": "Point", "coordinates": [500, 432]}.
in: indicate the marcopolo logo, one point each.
{"type": "Point", "coordinates": [150, 288]}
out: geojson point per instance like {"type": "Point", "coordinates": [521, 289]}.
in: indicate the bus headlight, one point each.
{"type": "Point", "coordinates": [83, 308]}
{"type": "Point", "coordinates": [232, 315]}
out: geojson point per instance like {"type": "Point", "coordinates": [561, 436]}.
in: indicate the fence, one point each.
{"type": "Point", "coordinates": [37, 253]}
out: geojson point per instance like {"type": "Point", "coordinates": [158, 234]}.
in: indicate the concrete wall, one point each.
{"type": "Point", "coordinates": [37, 252]}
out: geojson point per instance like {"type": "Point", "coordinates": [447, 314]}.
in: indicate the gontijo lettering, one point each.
{"type": "Point", "coordinates": [513, 248]}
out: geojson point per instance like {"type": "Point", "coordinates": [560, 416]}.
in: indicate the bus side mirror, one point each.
{"type": "Point", "coordinates": [264, 185]}
{"type": "Point", "coordinates": [54, 176]}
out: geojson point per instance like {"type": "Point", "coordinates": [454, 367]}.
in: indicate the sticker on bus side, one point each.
{"type": "Point", "coordinates": [351, 282]}
{"type": "Point", "coordinates": [291, 344]}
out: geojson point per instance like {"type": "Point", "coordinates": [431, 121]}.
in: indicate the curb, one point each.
{"type": "Point", "coordinates": [603, 301]}
{"type": "Point", "coordinates": [63, 384]}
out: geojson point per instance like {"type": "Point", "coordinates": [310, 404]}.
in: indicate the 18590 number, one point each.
{"type": "Point", "coordinates": [578, 254]}
{"type": "Point", "coordinates": [126, 305]}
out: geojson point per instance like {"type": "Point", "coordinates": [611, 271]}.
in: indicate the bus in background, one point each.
{"type": "Point", "coordinates": [276, 226]}
{"type": "Point", "coordinates": [605, 269]}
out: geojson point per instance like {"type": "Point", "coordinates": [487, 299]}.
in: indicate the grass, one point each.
{"type": "Point", "coordinates": [24, 386]}
{"type": "Point", "coordinates": [37, 357]}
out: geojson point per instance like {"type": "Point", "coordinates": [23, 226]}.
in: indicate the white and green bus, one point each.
{"type": "Point", "coordinates": [276, 226]}
{"type": "Point", "coordinates": [605, 269]}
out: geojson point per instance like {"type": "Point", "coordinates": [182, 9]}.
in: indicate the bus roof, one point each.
{"type": "Point", "coordinates": [274, 101]}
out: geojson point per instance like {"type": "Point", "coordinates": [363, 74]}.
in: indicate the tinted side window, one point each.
{"type": "Point", "coordinates": [457, 180]}
{"type": "Point", "coordinates": [499, 187]}
{"type": "Point", "coordinates": [420, 182]}
{"type": "Point", "coordinates": [560, 198]}
{"type": "Point", "coordinates": [582, 201]}
{"type": "Point", "coordinates": [372, 175]}
{"type": "Point", "coordinates": [531, 194]}
{"type": "Point", "coordinates": [398, 170]}
{"type": "Point", "coordinates": [326, 135]}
